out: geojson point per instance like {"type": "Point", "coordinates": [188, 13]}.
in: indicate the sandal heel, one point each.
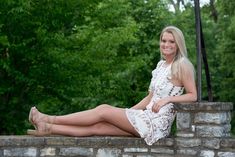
{"type": "Point", "coordinates": [32, 132]}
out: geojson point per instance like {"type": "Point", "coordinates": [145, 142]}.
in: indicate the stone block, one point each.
{"type": "Point", "coordinates": [207, 153]}
{"type": "Point", "coordinates": [185, 134]}
{"type": "Point", "coordinates": [215, 106]}
{"type": "Point", "coordinates": [108, 152]}
{"type": "Point", "coordinates": [180, 155]}
{"type": "Point", "coordinates": [1, 152]}
{"type": "Point", "coordinates": [127, 155]}
{"type": "Point", "coordinates": [75, 151]}
{"type": "Point", "coordinates": [186, 151]}
{"type": "Point", "coordinates": [70, 141]}
{"type": "Point", "coordinates": [20, 152]}
{"type": "Point", "coordinates": [185, 107]}
{"type": "Point", "coordinates": [228, 143]}
{"type": "Point", "coordinates": [164, 142]}
{"type": "Point", "coordinates": [215, 118]}
{"type": "Point", "coordinates": [213, 130]}
{"type": "Point", "coordinates": [157, 155]}
{"type": "Point", "coordinates": [162, 150]}
{"type": "Point", "coordinates": [212, 143]}
{"type": "Point", "coordinates": [57, 141]}
{"type": "Point", "coordinates": [226, 154]}
{"type": "Point", "coordinates": [135, 149]}
{"type": "Point", "coordinates": [183, 121]}
{"type": "Point", "coordinates": [49, 151]}
{"type": "Point", "coordinates": [60, 140]}
{"type": "Point", "coordinates": [146, 155]}
{"type": "Point", "coordinates": [188, 142]}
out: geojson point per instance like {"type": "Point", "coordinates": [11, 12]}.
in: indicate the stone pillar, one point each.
{"type": "Point", "coordinates": [203, 119]}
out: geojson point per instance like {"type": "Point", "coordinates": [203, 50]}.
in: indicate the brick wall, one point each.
{"type": "Point", "coordinates": [203, 130]}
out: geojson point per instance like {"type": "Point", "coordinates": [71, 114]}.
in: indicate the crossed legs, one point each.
{"type": "Point", "coordinates": [102, 120]}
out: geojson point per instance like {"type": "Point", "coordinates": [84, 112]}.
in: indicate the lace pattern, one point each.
{"type": "Point", "coordinates": [150, 125]}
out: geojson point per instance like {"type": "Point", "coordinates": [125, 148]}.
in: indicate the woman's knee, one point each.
{"type": "Point", "coordinates": [103, 109]}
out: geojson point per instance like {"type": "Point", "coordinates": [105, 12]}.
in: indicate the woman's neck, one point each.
{"type": "Point", "coordinates": [169, 60]}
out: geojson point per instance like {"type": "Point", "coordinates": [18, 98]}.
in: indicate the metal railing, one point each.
{"type": "Point", "coordinates": [201, 54]}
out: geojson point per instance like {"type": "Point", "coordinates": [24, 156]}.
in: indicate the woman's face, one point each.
{"type": "Point", "coordinates": [168, 45]}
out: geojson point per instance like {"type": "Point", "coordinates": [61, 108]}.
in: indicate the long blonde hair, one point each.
{"type": "Point", "coordinates": [181, 63]}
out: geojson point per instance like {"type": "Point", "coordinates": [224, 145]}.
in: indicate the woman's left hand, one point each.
{"type": "Point", "coordinates": [157, 106]}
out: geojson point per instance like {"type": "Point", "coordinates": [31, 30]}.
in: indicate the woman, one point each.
{"type": "Point", "coordinates": [151, 118]}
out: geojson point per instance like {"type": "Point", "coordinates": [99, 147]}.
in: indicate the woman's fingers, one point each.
{"type": "Point", "coordinates": [157, 106]}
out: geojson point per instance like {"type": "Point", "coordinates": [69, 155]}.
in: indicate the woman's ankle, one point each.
{"type": "Point", "coordinates": [51, 119]}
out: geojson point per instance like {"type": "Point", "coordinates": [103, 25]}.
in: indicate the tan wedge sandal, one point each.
{"type": "Point", "coordinates": [43, 130]}
{"type": "Point", "coordinates": [40, 117]}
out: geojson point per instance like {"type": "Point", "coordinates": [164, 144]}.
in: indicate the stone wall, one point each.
{"type": "Point", "coordinates": [203, 130]}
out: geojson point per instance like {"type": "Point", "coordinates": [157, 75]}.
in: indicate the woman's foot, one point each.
{"type": "Point", "coordinates": [36, 117]}
{"type": "Point", "coordinates": [42, 129]}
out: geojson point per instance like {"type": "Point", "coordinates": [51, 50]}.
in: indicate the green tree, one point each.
{"type": "Point", "coordinates": [66, 56]}
{"type": "Point", "coordinates": [36, 57]}
{"type": "Point", "coordinates": [225, 49]}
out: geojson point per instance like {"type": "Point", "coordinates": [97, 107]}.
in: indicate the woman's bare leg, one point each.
{"type": "Point", "coordinates": [99, 129]}
{"type": "Point", "coordinates": [103, 113]}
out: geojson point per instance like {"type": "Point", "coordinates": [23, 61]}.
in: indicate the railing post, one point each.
{"type": "Point", "coordinates": [201, 54]}
{"type": "Point", "coordinates": [199, 46]}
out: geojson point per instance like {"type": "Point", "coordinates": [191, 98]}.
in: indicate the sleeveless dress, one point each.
{"type": "Point", "coordinates": [153, 126]}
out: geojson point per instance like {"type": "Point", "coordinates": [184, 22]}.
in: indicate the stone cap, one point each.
{"type": "Point", "coordinates": [94, 141]}
{"type": "Point", "coordinates": [204, 106]}
{"type": "Point", "coordinates": [97, 141]}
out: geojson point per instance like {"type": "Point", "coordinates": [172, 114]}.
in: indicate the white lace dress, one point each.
{"type": "Point", "coordinates": [150, 125]}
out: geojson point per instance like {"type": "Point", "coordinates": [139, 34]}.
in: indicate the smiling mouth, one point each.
{"type": "Point", "coordinates": [168, 49]}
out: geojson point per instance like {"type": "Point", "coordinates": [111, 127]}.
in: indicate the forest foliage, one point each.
{"type": "Point", "coordinates": [65, 56]}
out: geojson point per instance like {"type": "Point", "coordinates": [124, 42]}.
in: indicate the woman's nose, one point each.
{"type": "Point", "coordinates": [167, 44]}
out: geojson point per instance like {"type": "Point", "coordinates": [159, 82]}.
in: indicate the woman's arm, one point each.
{"type": "Point", "coordinates": [190, 89]}
{"type": "Point", "coordinates": [144, 102]}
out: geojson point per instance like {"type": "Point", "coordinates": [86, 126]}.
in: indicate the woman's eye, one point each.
{"type": "Point", "coordinates": [169, 41]}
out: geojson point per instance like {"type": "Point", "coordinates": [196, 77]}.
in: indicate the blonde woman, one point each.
{"type": "Point", "coordinates": [151, 118]}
